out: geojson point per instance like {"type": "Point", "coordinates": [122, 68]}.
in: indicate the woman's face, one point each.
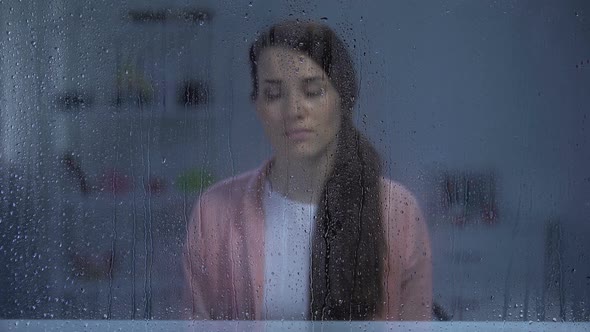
{"type": "Point", "coordinates": [297, 104]}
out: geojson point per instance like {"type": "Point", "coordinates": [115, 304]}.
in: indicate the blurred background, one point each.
{"type": "Point", "coordinates": [114, 115]}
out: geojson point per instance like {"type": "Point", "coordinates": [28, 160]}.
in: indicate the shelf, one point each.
{"type": "Point", "coordinates": [135, 113]}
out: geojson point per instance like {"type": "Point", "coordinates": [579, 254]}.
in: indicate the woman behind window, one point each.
{"type": "Point", "coordinates": [316, 232]}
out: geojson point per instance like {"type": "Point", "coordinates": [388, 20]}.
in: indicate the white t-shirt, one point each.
{"type": "Point", "coordinates": [288, 228]}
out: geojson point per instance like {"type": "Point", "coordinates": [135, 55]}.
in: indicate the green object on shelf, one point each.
{"type": "Point", "coordinates": [194, 180]}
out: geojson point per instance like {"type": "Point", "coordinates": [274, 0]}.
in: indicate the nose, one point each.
{"type": "Point", "coordinates": [294, 108]}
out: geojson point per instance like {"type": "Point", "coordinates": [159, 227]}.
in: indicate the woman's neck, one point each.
{"type": "Point", "coordinates": [300, 180]}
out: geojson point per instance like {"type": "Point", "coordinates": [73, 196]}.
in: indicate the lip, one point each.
{"type": "Point", "coordinates": [298, 134]}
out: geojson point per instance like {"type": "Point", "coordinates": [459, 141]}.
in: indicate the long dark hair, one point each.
{"type": "Point", "coordinates": [348, 243]}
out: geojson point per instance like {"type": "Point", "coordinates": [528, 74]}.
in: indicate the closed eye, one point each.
{"type": "Point", "coordinates": [314, 87]}
{"type": "Point", "coordinates": [315, 93]}
{"type": "Point", "coordinates": [272, 91]}
{"type": "Point", "coordinates": [269, 96]}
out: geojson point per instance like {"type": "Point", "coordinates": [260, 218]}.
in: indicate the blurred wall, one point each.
{"type": "Point", "coordinates": [497, 86]}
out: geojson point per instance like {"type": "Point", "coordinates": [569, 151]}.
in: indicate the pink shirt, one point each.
{"type": "Point", "coordinates": [224, 253]}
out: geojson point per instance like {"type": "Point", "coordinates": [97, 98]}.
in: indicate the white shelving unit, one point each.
{"type": "Point", "coordinates": [122, 247]}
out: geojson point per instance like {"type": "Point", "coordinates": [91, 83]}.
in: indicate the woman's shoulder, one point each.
{"type": "Point", "coordinates": [229, 201]}
{"type": "Point", "coordinates": [400, 207]}
{"type": "Point", "coordinates": [394, 193]}
{"type": "Point", "coordinates": [404, 220]}
{"type": "Point", "coordinates": [232, 187]}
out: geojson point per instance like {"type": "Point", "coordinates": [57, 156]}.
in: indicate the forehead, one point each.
{"type": "Point", "coordinates": [279, 62]}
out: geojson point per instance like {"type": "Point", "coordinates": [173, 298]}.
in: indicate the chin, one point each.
{"type": "Point", "coordinates": [305, 153]}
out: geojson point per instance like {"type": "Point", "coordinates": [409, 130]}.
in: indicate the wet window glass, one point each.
{"type": "Point", "coordinates": [295, 161]}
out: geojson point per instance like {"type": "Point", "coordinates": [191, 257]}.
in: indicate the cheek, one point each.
{"type": "Point", "coordinates": [263, 112]}
{"type": "Point", "coordinates": [268, 118]}
{"type": "Point", "coordinates": [333, 116]}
